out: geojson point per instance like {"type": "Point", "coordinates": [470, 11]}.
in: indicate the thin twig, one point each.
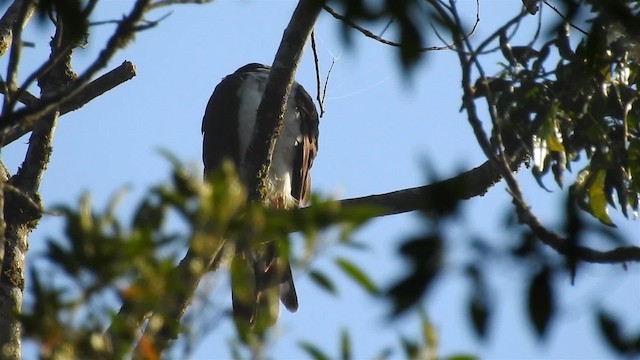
{"type": "Point", "coordinates": [375, 37]}
{"type": "Point", "coordinates": [14, 56]}
{"type": "Point", "coordinates": [316, 62]}
{"type": "Point", "coordinates": [555, 9]}
{"type": "Point", "coordinates": [326, 84]}
{"type": "Point", "coordinates": [163, 3]}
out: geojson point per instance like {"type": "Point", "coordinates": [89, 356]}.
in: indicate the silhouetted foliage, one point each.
{"type": "Point", "coordinates": [565, 102]}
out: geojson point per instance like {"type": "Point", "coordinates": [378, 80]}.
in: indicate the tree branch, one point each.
{"type": "Point", "coordinates": [126, 71]}
{"type": "Point", "coordinates": [7, 22]}
{"type": "Point", "coordinates": [27, 98]}
{"type": "Point", "coordinates": [270, 121]}
{"type": "Point", "coordinates": [58, 85]}
{"type": "Point", "coordinates": [472, 183]}
{"type": "Point", "coordinates": [163, 3]}
{"type": "Point", "coordinates": [500, 160]}
{"type": "Point", "coordinates": [476, 182]}
{"type": "Point", "coordinates": [271, 111]}
{"type": "Point", "coordinates": [125, 30]}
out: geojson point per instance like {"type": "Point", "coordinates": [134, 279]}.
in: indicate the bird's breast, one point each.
{"type": "Point", "coordinates": [281, 171]}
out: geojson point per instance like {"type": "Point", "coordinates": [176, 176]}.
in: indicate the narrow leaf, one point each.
{"type": "Point", "coordinates": [461, 357]}
{"type": "Point", "coordinates": [313, 351]}
{"type": "Point", "coordinates": [479, 314]}
{"type": "Point", "coordinates": [323, 281]}
{"type": "Point", "coordinates": [610, 330]}
{"type": "Point", "coordinates": [429, 333]}
{"type": "Point", "coordinates": [345, 345]}
{"type": "Point", "coordinates": [356, 274]}
{"type": "Point", "coordinates": [410, 348]}
{"type": "Point", "coordinates": [541, 302]}
{"type": "Point", "coordinates": [598, 200]}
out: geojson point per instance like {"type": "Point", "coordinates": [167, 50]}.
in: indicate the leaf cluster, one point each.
{"type": "Point", "coordinates": [574, 107]}
{"type": "Point", "coordinates": [134, 262]}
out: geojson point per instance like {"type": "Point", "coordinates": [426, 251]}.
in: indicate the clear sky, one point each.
{"type": "Point", "coordinates": [378, 133]}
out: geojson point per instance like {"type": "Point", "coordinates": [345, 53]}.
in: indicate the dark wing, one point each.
{"type": "Point", "coordinates": [220, 125]}
{"type": "Point", "coordinates": [307, 149]}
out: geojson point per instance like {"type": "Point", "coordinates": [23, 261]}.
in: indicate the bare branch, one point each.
{"type": "Point", "coordinates": [26, 98]}
{"type": "Point", "coordinates": [321, 90]}
{"type": "Point", "coordinates": [476, 182]}
{"type": "Point", "coordinates": [9, 19]}
{"type": "Point", "coordinates": [382, 40]}
{"type": "Point", "coordinates": [163, 3]}
{"type": "Point", "coordinates": [555, 9]}
{"type": "Point", "coordinates": [26, 117]}
{"type": "Point", "coordinates": [472, 183]}
{"type": "Point", "coordinates": [144, 24]}
{"type": "Point", "coordinates": [57, 86]}
{"type": "Point", "coordinates": [126, 71]}
{"type": "Point", "coordinates": [316, 62]}
{"type": "Point", "coordinates": [24, 12]}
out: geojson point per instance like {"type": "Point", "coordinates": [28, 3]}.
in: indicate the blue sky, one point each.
{"type": "Point", "coordinates": [378, 133]}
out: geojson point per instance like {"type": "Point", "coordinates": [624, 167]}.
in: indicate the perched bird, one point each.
{"type": "Point", "coordinates": [261, 275]}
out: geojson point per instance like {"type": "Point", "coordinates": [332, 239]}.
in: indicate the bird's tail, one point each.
{"type": "Point", "coordinates": [257, 282]}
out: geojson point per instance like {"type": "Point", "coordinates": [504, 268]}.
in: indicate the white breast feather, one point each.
{"type": "Point", "coordinates": [281, 171]}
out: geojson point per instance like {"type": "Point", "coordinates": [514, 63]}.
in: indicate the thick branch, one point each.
{"type": "Point", "coordinates": [472, 183]}
{"type": "Point", "coordinates": [126, 71]}
{"type": "Point", "coordinates": [476, 182]}
{"type": "Point", "coordinates": [97, 87]}
{"type": "Point", "coordinates": [27, 98]}
{"type": "Point", "coordinates": [270, 116]}
{"type": "Point", "coordinates": [7, 22]}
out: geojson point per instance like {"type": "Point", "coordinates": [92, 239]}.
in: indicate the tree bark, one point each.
{"type": "Point", "coordinates": [9, 19]}
{"type": "Point", "coordinates": [271, 111]}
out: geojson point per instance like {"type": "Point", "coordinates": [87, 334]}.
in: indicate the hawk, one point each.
{"type": "Point", "coordinates": [228, 129]}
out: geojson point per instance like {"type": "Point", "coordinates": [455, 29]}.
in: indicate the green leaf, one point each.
{"type": "Point", "coordinates": [461, 357]}
{"type": "Point", "coordinates": [429, 333]}
{"type": "Point", "coordinates": [541, 301]}
{"type": "Point", "coordinates": [149, 215]}
{"type": "Point", "coordinates": [357, 275]}
{"type": "Point", "coordinates": [345, 345]}
{"type": "Point", "coordinates": [323, 281]}
{"type": "Point", "coordinates": [313, 351]}
{"type": "Point", "coordinates": [597, 198]}
{"type": "Point", "coordinates": [411, 349]}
